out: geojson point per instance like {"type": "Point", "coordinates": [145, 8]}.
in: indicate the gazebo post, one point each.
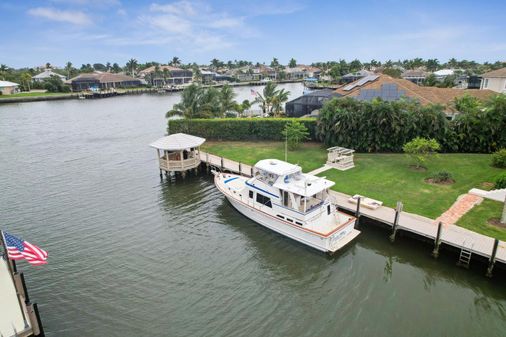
{"type": "Point", "coordinates": [182, 163]}
{"type": "Point", "coordinates": [167, 160]}
{"type": "Point", "coordinates": [158, 158]}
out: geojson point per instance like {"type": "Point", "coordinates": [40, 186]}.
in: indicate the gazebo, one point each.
{"type": "Point", "coordinates": [340, 158]}
{"type": "Point", "coordinates": [178, 152]}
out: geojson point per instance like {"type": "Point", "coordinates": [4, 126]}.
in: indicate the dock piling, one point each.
{"type": "Point", "coordinates": [491, 262]}
{"type": "Point", "coordinates": [398, 211]}
{"type": "Point", "coordinates": [437, 241]}
{"type": "Point", "coordinates": [240, 169]}
{"type": "Point", "coordinates": [357, 213]}
{"type": "Point", "coordinates": [222, 166]}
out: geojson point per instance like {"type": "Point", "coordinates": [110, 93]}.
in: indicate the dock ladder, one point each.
{"type": "Point", "coordinates": [465, 255]}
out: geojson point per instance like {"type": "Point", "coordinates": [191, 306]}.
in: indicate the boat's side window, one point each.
{"type": "Point", "coordinates": [251, 194]}
{"type": "Point", "coordinates": [262, 199]}
{"type": "Point", "coordinates": [280, 216]}
{"type": "Point", "coordinates": [328, 209]}
{"type": "Point", "coordinates": [298, 223]}
{"type": "Point", "coordinates": [288, 219]}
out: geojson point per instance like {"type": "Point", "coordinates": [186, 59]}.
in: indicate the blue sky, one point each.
{"type": "Point", "coordinates": [91, 31]}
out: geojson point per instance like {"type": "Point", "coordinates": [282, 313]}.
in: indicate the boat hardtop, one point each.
{"type": "Point", "coordinates": [289, 177]}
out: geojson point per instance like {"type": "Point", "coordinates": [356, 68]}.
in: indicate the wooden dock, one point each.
{"type": "Point", "coordinates": [451, 235]}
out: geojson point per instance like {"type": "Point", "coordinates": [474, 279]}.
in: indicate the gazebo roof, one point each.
{"type": "Point", "coordinates": [177, 141]}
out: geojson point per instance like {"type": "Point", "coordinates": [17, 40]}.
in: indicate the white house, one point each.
{"type": "Point", "coordinates": [494, 80]}
{"type": "Point", "coordinates": [8, 88]}
{"type": "Point", "coordinates": [443, 73]}
{"type": "Point", "coordinates": [47, 74]}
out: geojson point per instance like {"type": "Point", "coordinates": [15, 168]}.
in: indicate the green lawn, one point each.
{"type": "Point", "coordinates": [34, 94]}
{"type": "Point", "coordinates": [385, 177]}
{"type": "Point", "coordinates": [388, 177]}
{"type": "Point", "coordinates": [477, 219]}
{"type": "Point", "coordinates": [310, 156]}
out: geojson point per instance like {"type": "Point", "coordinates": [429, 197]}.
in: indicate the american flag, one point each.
{"type": "Point", "coordinates": [253, 92]}
{"type": "Point", "coordinates": [19, 249]}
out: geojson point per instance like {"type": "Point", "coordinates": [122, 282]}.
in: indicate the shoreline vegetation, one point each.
{"type": "Point", "coordinates": [47, 96]}
{"type": "Point", "coordinates": [386, 176]}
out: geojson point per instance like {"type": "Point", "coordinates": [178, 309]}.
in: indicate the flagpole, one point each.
{"type": "Point", "coordinates": [11, 272]}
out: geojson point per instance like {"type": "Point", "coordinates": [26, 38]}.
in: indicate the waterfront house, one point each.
{"type": "Point", "coordinates": [207, 76]}
{"type": "Point", "coordinates": [102, 81]}
{"type": "Point", "coordinates": [443, 73]}
{"type": "Point", "coordinates": [306, 104]}
{"type": "Point", "coordinates": [47, 74]}
{"type": "Point", "coordinates": [301, 71]}
{"type": "Point", "coordinates": [388, 88]}
{"type": "Point", "coordinates": [494, 80]}
{"type": "Point", "coordinates": [166, 75]}
{"type": "Point", "coordinates": [415, 76]}
{"type": "Point", "coordinates": [357, 75]}
{"type": "Point", "coordinates": [8, 88]}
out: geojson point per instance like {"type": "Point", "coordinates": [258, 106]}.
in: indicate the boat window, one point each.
{"type": "Point", "coordinates": [262, 199]}
{"type": "Point", "coordinates": [298, 223]}
{"type": "Point", "coordinates": [288, 219]}
{"type": "Point", "coordinates": [328, 209]}
{"type": "Point", "coordinates": [280, 216]}
{"type": "Point", "coordinates": [251, 194]}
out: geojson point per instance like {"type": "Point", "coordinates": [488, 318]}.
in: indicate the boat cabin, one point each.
{"type": "Point", "coordinates": [178, 152]}
{"type": "Point", "coordinates": [295, 190]}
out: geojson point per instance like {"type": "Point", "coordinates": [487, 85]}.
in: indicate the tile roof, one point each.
{"type": "Point", "coordinates": [496, 73]}
{"type": "Point", "coordinates": [162, 68]}
{"type": "Point", "coordinates": [425, 95]}
{"type": "Point", "coordinates": [104, 77]}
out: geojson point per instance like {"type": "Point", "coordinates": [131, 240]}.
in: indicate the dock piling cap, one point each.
{"type": "Point", "coordinates": [177, 141]}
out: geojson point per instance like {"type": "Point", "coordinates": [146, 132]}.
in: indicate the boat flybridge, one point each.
{"type": "Point", "coordinates": [297, 205]}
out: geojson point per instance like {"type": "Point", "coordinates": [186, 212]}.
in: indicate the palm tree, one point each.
{"type": "Point", "coordinates": [265, 98]}
{"type": "Point", "coordinates": [175, 61]}
{"type": "Point", "coordinates": [156, 73]}
{"type": "Point", "coordinates": [227, 102]}
{"type": "Point", "coordinates": [68, 68]}
{"type": "Point", "coordinates": [26, 79]}
{"type": "Point", "coordinates": [197, 102]}
{"type": "Point", "coordinates": [132, 65]}
{"type": "Point", "coordinates": [166, 75]}
{"type": "Point", "coordinates": [3, 70]}
{"type": "Point", "coordinates": [48, 65]}
{"type": "Point", "coordinates": [215, 63]}
{"type": "Point", "coordinates": [277, 102]}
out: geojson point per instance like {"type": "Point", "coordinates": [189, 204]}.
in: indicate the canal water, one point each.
{"type": "Point", "coordinates": [130, 255]}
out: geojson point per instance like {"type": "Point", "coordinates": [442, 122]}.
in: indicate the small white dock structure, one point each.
{"type": "Point", "coordinates": [340, 158]}
{"type": "Point", "coordinates": [178, 152]}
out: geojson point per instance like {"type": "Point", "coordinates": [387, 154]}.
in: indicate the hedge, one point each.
{"type": "Point", "coordinates": [238, 128]}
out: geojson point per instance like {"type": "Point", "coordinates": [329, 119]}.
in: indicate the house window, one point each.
{"type": "Point", "coordinates": [251, 194]}
{"type": "Point", "coordinates": [262, 199]}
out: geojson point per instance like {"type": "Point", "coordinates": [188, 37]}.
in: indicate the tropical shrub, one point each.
{"type": "Point", "coordinates": [420, 149]}
{"type": "Point", "coordinates": [295, 133]}
{"type": "Point", "coordinates": [238, 128]}
{"type": "Point", "coordinates": [385, 126]}
{"type": "Point", "coordinates": [500, 182]}
{"type": "Point", "coordinates": [379, 125]}
{"type": "Point", "coordinates": [442, 177]}
{"type": "Point", "coordinates": [499, 158]}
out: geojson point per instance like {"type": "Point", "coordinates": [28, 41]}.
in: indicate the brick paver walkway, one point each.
{"type": "Point", "coordinates": [463, 205]}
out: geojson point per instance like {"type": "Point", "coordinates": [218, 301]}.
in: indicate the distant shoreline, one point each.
{"type": "Point", "coordinates": [121, 92]}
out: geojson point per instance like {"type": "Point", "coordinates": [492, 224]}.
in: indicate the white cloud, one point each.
{"type": "Point", "coordinates": [168, 23]}
{"type": "Point", "coordinates": [179, 8]}
{"type": "Point", "coordinates": [226, 23]}
{"type": "Point", "coordinates": [73, 17]}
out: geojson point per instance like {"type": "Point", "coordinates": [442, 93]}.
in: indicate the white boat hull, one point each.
{"type": "Point", "coordinates": [329, 244]}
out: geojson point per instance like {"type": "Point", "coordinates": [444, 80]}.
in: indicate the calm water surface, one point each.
{"type": "Point", "coordinates": [133, 256]}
